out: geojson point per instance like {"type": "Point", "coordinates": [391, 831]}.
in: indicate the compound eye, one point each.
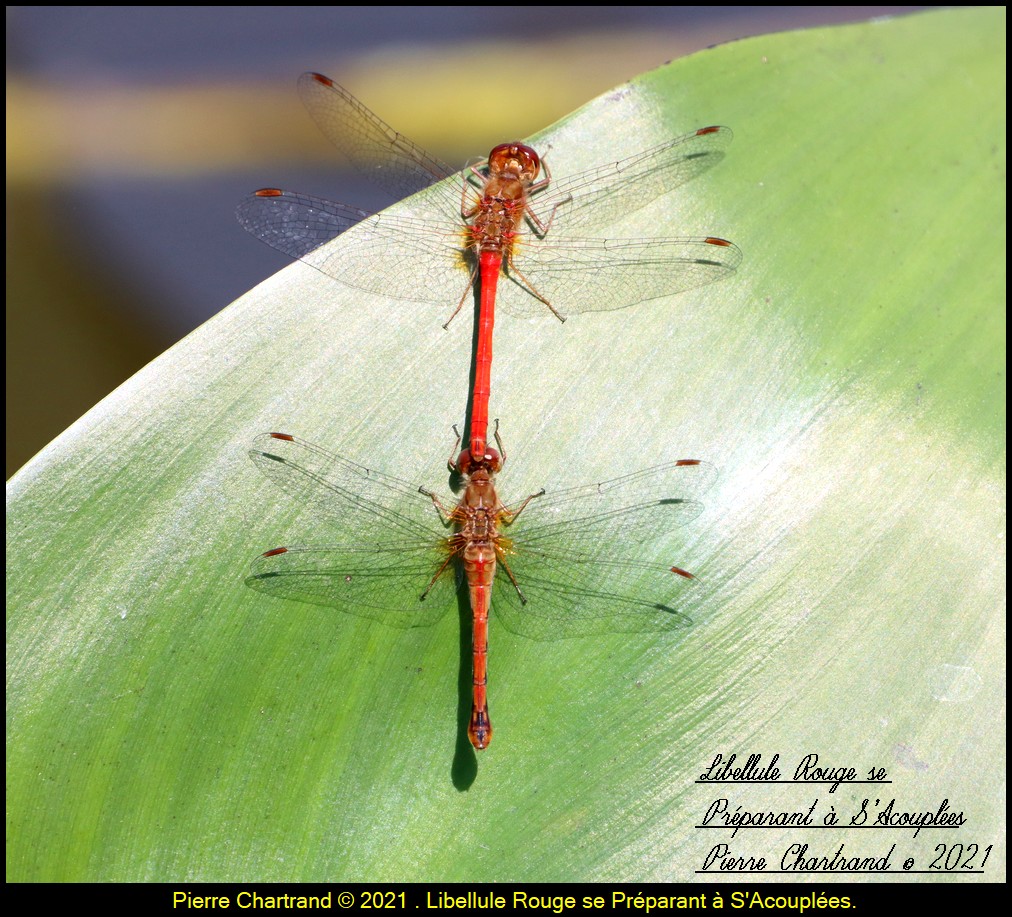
{"type": "Point", "coordinates": [493, 461]}
{"type": "Point", "coordinates": [500, 155]}
{"type": "Point", "coordinates": [464, 462]}
{"type": "Point", "coordinates": [531, 160]}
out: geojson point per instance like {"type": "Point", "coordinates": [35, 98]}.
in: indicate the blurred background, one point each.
{"type": "Point", "coordinates": [133, 132]}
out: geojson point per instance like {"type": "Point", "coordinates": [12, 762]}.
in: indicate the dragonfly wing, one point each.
{"type": "Point", "coordinates": [405, 258]}
{"type": "Point", "coordinates": [563, 549]}
{"type": "Point", "coordinates": [421, 262]}
{"type": "Point", "coordinates": [601, 275]}
{"type": "Point", "coordinates": [579, 596]}
{"type": "Point", "coordinates": [648, 501]}
{"type": "Point", "coordinates": [384, 156]}
{"type": "Point", "coordinates": [361, 501]}
{"type": "Point", "coordinates": [593, 200]}
{"type": "Point", "coordinates": [400, 584]}
{"type": "Point", "coordinates": [630, 526]}
{"type": "Point", "coordinates": [293, 223]}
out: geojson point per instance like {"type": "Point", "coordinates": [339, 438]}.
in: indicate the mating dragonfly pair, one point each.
{"type": "Point", "coordinates": [557, 576]}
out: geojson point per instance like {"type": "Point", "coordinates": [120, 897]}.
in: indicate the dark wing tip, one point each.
{"type": "Point", "coordinates": [318, 77]}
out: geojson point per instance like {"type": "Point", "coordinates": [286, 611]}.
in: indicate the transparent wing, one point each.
{"type": "Point", "coordinates": [565, 551]}
{"type": "Point", "coordinates": [591, 201]}
{"type": "Point", "coordinates": [293, 223]}
{"type": "Point", "coordinates": [384, 156]}
{"type": "Point", "coordinates": [426, 259]}
{"type": "Point", "coordinates": [361, 504]}
{"type": "Point", "coordinates": [428, 262]}
{"type": "Point", "coordinates": [633, 508]}
{"type": "Point", "coordinates": [601, 275]}
{"type": "Point", "coordinates": [593, 198]}
{"type": "Point", "coordinates": [402, 584]}
{"type": "Point", "coordinates": [586, 597]}
{"type": "Point", "coordinates": [563, 548]}
{"type": "Point", "coordinates": [407, 259]}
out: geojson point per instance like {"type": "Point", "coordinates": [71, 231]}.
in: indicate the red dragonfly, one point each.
{"type": "Point", "coordinates": [550, 565]}
{"type": "Point", "coordinates": [477, 223]}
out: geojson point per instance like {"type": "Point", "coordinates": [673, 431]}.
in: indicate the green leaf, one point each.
{"type": "Point", "coordinates": [165, 722]}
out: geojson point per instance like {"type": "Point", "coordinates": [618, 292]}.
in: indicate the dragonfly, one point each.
{"type": "Point", "coordinates": [506, 218]}
{"type": "Point", "coordinates": [550, 565]}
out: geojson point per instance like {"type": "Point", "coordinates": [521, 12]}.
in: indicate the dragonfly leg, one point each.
{"type": "Point", "coordinates": [509, 573]}
{"type": "Point", "coordinates": [445, 515]}
{"type": "Point", "coordinates": [465, 211]}
{"type": "Point", "coordinates": [533, 290]}
{"type": "Point", "coordinates": [467, 289]}
{"type": "Point", "coordinates": [544, 182]}
{"type": "Point", "coordinates": [542, 228]}
{"type": "Point", "coordinates": [436, 575]}
{"type": "Point", "coordinates": [498, 442]}
{"type": "Point", "coordinates": [568, 199]}
{"type": "Point", "coordinates": [452, 462]}
{"type": "Point", "coordinates": [510, 515]}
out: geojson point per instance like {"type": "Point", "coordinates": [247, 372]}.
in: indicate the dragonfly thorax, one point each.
{"type": "Point", "coordinates": [480, 492]}
{"type": "Point", "coordinates": [495, 225]}
{"type": "Point", "coordinates": [480, 526]}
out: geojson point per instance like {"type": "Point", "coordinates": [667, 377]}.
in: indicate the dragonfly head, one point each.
{"type": "Point", "coordinates": [516, 160]}
{"type": "Point", "coordinates": [490, 462]}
